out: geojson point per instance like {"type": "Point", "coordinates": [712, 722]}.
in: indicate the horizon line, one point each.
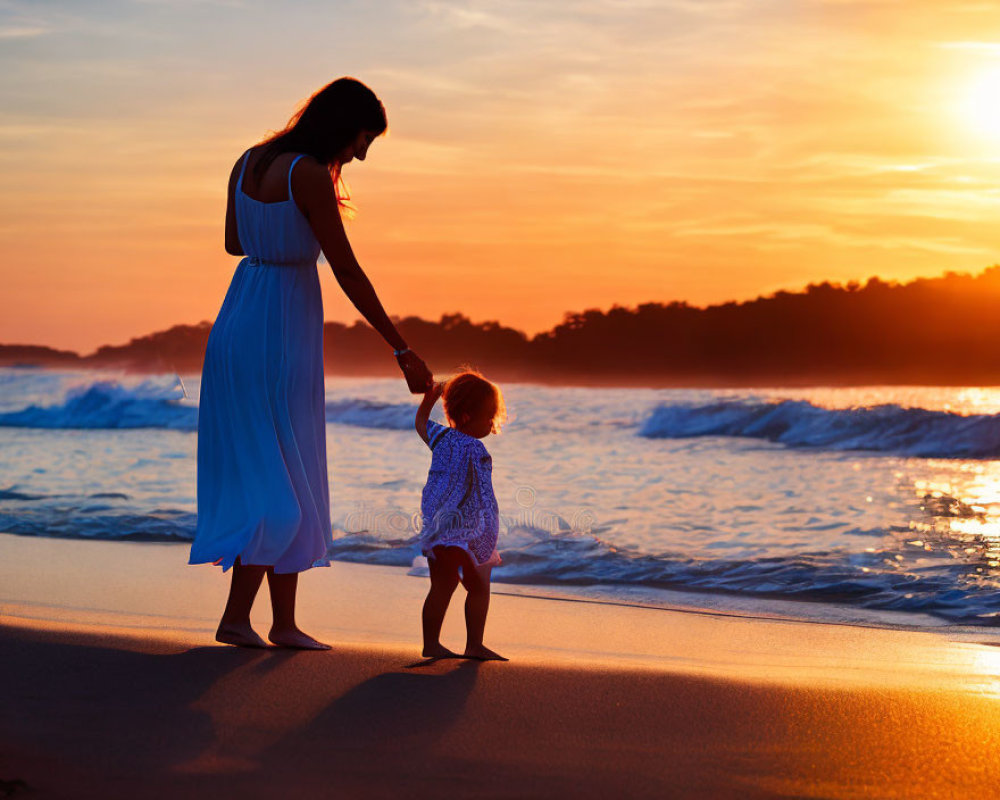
{"type": "Point", "coordinates": [852, 284]}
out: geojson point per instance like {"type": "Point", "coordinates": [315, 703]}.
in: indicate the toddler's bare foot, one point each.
{"type": "Point", "coordinates": [241, 635]}
{"type": "Point", "coordinates": [483, 653]}
{"type": "Point", "coordinates": [295, 639]}
{"type": "Point", "coordinates": [438, 651]}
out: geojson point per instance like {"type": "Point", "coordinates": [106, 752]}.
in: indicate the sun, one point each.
{"type": "Point", "coordinates": [980, 105]}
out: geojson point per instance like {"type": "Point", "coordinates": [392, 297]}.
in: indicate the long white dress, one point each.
{"type": "Point", "coordinates": [263, 493]}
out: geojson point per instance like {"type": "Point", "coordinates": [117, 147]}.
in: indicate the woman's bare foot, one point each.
{"type": "Point", "coordinates": [295, 639]}
{"type": "Point", "coordinates": [241, 635]}
{"type": "Point", "coordinates": [482, 653]}
{"type": "Point", "coordinates": [438, 651]}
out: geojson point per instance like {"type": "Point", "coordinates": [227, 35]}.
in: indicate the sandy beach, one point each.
{"type": "Point", "coordinates": [114, 688]}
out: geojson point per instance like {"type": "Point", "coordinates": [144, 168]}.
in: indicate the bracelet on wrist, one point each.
{"type": "Point", "coordinates": [401, 351]}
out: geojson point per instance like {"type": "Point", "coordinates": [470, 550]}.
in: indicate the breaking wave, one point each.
{"type": "Point", "coordinates": [109, 404]}
{"type": "Point", "coordinates": [796, 423]}
{"type": "Point", "coordinates": [160, 403]}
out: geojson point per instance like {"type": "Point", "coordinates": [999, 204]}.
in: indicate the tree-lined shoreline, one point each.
{"type": "Point", "coordinates": [933, 331]}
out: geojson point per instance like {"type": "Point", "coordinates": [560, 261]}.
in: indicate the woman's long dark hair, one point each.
{"type": "Point", "coordinates": [329, 121]}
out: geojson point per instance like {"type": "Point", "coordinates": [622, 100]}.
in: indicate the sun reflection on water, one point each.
{"type": "Point", "coordinates": [961, 520]}
{"type": "Point", "coordinates": [967, 400]}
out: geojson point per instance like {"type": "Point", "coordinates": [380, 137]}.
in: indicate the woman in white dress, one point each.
{"type": "Point", "coordinates": [263, 497]}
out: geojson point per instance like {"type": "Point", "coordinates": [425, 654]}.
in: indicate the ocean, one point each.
{"type": "Point", "coordinates": [873, 505]}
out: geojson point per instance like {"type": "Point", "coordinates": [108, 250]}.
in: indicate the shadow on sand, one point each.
{"type": "Point", "coordinates": [209, 716]}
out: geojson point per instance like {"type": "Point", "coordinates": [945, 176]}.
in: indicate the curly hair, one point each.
{"type": "Point", "coordinates": [469, 392]}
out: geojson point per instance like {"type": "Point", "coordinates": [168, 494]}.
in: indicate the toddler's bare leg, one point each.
{"type": "Point", "coordinates": [234, 628]}
{"type": "Point", "coordinates": [477, 605]}
{"type": "Point", "coordinates": [284, 631]}
{"type": "Point", "coordinates": [444, 579]}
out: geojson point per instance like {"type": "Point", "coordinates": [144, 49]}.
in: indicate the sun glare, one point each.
{"type": "Point", "coordinates": [981, 104]}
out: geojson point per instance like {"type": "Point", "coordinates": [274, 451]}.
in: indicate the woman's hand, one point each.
{"type": "Point", "coordinates": [418, 377]}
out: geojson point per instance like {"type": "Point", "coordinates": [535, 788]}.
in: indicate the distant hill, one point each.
{"type": "Point", "coordinates": [28, 355]}
{"type": "Point", "coordinates": [943, 330]}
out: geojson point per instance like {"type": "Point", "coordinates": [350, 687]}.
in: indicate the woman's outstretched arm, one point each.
{"type": "Point", "coordinates": [316, 197]}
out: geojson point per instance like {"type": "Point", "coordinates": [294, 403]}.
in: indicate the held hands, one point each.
{"type": "Point", "coordinates": [434, 391]}
{"type": "Point", "coordinates": [418, 378]}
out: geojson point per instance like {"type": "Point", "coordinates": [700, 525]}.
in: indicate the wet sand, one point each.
{"type": "Point", "coordinates": [112, 687]}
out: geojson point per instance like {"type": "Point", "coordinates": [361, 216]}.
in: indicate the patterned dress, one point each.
{"type": "Point", "coordinates": [458, 506]}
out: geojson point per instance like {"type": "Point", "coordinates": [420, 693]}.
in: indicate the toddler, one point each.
{"type": "Point", "coordinates": [460, 515]}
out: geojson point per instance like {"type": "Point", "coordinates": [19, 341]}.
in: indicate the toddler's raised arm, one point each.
{"type": "Point", "coordinates": [424, 411]}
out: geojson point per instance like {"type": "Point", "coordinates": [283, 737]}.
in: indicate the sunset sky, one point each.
{"type": "Point", "coordinates": [542, 156]}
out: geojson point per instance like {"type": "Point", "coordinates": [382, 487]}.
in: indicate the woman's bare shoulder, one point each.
{"type": "Point", "coordinates": [311, 180]}
{"type": "Point", "coordinates": [238, 165]}
{"type": "Point", "coordinates": [312, 169]}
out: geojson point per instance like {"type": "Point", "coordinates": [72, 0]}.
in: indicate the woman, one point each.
{"type": "Point", "coordinates": [263, 499]}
